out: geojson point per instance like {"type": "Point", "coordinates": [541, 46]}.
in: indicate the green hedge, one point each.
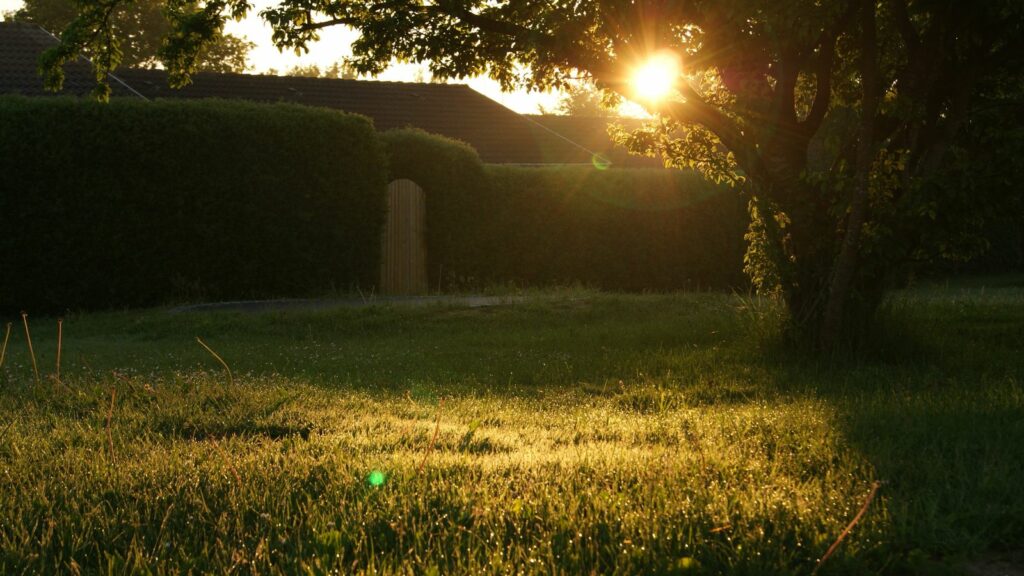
{"type": "Point", "coordinates": [457, 192]}
{"type": "Point", "coordinates": [138, 203]}
{"type": "Point", "coordinates": [625, 229]}
{"type": "Point", "coordinates": [615, 229]}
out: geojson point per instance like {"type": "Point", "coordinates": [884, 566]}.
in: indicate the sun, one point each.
{"type": "Point", "coordinates": [656, 77]}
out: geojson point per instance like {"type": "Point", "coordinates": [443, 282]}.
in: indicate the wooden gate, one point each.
{"type": "Point", "coordinates": [403, 265]}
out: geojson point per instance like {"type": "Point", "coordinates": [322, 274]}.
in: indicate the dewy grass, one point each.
{"type": "Point", "coordinates": [608, 434]}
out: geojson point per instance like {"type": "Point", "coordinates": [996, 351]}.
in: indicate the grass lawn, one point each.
{"type": "Point", "coordinates": [567, 433]}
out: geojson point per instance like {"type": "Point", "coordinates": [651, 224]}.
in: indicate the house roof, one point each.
{"type": "Point", "coordinates": [499, 135]}
{"type": "Point", "coordinates": [591, 132]}
{"type": "Point", "coordinates": [20, 47]}
{"type": "Point", "coordinates": [454, 110]}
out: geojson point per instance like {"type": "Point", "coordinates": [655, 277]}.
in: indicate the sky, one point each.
{"type": "Point", "coordinates": [334, 45]}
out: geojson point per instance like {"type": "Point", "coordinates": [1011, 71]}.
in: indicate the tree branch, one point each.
{"type": "Point", "coordinates": [327, 24]}
{"type": "Point", "coordinates": [785, 90]}
{"type": "Point", "coordinates": [903, 24]}
{"type": "Point", "coordinates": [823, 71]}
{"type": "Point", "coordinates": [845, 268]}
{"type": "Point", "coordinates": [696, 110]}
{"type": "Point", "coordinates": [465, 15]}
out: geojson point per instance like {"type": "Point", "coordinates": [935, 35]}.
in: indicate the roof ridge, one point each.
{"type": "Point", "coordinates": [286, 78]}
{"type": "Point", "coordinates": [454, 110]}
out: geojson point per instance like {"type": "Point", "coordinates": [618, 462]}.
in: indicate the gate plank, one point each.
{"type": "Point", "coordinates": [403, 249]}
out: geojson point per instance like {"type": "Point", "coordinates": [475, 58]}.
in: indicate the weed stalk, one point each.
{"type": "Point", "coordinates": [3, 351]}
{"type": "Point", "coordinates": [6, 429]}
{"type": "Point", "coordinates": [231, 379]}
{"type": "Point", "coordinates": [871, 496]}
{"type": "Point", "coordinates": [433, 440]}
{"type": "Point", "coordinates": [110, 416]}
{"type": "Point", "coordinates": [60, 340]}
{"type": "Point", "coordinates": [28, 336]}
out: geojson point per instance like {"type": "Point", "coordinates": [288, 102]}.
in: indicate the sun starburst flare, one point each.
{"type": "Point", "coordinates": [655, 78]}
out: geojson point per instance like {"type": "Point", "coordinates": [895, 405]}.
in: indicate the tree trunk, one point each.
{"type": "Point", "coordinates": [845, 267]}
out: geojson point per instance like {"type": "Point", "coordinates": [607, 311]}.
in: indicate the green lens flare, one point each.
{"type": "Point", "coordinates": [600, 162]}
{"type": "Point", "coordinates": [376, 478]}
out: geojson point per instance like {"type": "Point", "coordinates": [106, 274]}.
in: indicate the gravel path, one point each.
{"type": "Point", "coordinates": [326, 303]}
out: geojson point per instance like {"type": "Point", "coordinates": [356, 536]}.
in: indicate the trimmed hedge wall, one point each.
{"type": "Point", "coordinates": [617, 229]}
{"type": "Point", "coordinates": [627, 229]}
{"type": "Point", "coordinates": [139, 203]}
{"type": "Point", "coordinates": [457, 192]}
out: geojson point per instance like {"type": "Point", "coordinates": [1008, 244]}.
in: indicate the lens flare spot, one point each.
{"type": "Point", "coordinates": [600, 162]}
{"type": "Point", "coordinates": [376, 478]}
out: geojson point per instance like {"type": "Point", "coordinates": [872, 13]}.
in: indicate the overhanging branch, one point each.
{"type": "Point", "coordinates": [696, 110]}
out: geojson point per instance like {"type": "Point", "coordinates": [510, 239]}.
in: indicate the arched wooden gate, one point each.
{"type": "Point", "coordinates": [403, 267]}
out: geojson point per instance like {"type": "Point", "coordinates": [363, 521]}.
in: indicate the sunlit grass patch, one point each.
{"type": "Point", "coordinates": [627, 434]}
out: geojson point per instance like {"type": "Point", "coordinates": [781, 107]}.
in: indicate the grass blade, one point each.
{"type": "Point", "coordinates": [227, 461]}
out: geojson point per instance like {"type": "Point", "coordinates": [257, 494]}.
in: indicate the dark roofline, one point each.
{"type": "Point", "coordinates": [80, 58]}
{"type": "Point", "coordinates": [499, 134]}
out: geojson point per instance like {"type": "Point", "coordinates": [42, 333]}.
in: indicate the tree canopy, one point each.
{"type": "Point", "coordinates": [335, 70]}
{"type": "Point", "coordinates": [583, 99]}
{"type": "Point", "coordinates": [138, 30]}
{"type": "Point", "coordinates": [836, 118]}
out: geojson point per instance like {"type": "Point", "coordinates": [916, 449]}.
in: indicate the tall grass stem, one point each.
{"type": "Point", "coordinates": [3, 351]}
{"type": "Point", "coordinates": [60, 341]}
{"type": "Point", "coordinates": [6, 429]}
{"type": "Point", "coordinates": [110, 417]}
{"type": "Point", "coordinates": [231, 378]}
{"type": "Point", "coordinates": [433, 440]}
{"type": "Point", "coordinates": [32, 353]}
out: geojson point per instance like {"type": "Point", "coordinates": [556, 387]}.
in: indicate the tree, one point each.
{"type": "Point", "coordinates": [336, 70]}
{"type": "Point", "coordinates": [139, 28]}
{"type": "Point", "coordinates": [584, 99]}
{"type": "Point", "coordinates": [989, 164]}
{"type": "Point", "coordinates": [834, 117]}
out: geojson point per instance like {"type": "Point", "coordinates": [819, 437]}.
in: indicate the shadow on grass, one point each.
{"type": "Point", "coordinates": [935, 404]}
